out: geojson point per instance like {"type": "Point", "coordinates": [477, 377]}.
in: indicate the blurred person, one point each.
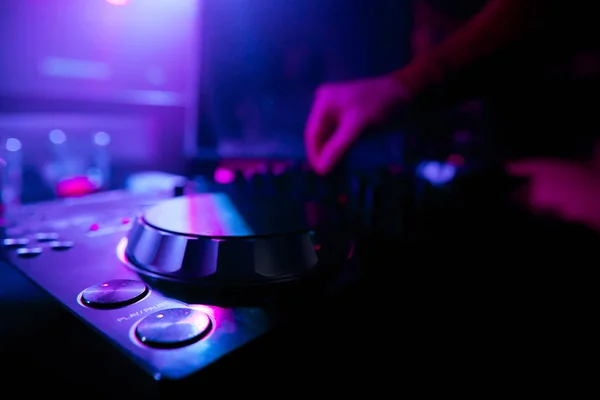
{"type": "Point", "coordinates": [503, 43]}
{"type": "Point", "coordinates": [435, 20]}
{"type": "Point", "coordinates": [534, 61]}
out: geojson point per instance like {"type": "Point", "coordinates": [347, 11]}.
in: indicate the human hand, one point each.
{"type": "Point", "coordinates": [342, 112]}
{"type": "Point", "coordinates": [568, 190]}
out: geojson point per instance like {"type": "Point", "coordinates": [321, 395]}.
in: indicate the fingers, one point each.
{"type": "Point", "coordinates": [338, 144]}
{"type": "Point", "coordinates": [330, 131]}
{"type": "Point", "coordinates": [319, 128]}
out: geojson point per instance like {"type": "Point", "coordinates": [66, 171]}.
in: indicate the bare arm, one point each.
{"type": "Point", "coordinates": [470, 54]}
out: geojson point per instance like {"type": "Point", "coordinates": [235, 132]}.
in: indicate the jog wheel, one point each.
{"type": "Point", "coordinates": [217, 240]}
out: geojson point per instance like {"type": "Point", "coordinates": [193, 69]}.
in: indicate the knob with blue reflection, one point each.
{"type": "Point", "coordinates": [223, 240]}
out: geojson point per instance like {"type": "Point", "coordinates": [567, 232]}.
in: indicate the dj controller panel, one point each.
{"type": "Point", "coordinates": [182, 282]}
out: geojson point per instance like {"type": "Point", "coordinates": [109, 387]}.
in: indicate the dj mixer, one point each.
{"type": "Point", "coordinates": [236, 277]}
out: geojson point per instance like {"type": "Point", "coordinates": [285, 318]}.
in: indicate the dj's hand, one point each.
{"type": "Point", "coordinates": [341, 112]}
{"type": "Point", "coordinates": [568, 190]}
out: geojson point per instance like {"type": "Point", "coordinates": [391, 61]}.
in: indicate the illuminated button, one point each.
{"type": "Point", "coordinates": [62, 245]}
{"type": "Point", "coordinates": [15, 242]}
{"type": "Point", "coordinates": [114, 294]}
{"type": "Point", "coordinates": [46, 237]}
{"type": "Point", "coordinates": [29, 252]}
{"type": "Point", "coordinates": [174, 327]}
{"type": "Point", "coordinates": [94, 227]}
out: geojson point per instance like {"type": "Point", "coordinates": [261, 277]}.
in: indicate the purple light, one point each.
{"type": "Point", "coordinates": [13, 144]}
{"type": "Point", "coordinates": [102, 139]}
{"type": "Point", "coordinates": [57, 136]}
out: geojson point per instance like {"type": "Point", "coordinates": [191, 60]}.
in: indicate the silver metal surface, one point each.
{"type": "Point", "coordinates": [115, 293]}
{"type": "Point", "coordinates": [173, 327]}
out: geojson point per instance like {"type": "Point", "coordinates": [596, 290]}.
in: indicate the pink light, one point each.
{"type": "Point", "coordinates": [75, 186]}
{"type": "Point", "coordinates": [224, 176]}
{"type": "Point", "coordinates": [117, 2]}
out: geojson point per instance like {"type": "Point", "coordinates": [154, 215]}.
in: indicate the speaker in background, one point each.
{"type": "Point", "coordinates": [124, 68]}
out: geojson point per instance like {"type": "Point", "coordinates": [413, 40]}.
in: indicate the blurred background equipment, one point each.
{"type": "Point", "coordinates": [95, 90]}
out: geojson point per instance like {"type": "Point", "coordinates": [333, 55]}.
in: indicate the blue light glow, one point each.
{"type": "Point", "coordinates": [437, 173]}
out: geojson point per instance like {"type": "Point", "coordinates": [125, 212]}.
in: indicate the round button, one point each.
{"type": "Point", "coordinates": [114, 294]}
{"type": "Point", "coordinates": [15, 242]}
{"type": "Point", "coordinates": [46, 237]}
{"type": "Point", "coordinates": [173, 327]}
{"type": "Point", "coordinates": [29, 252]}
{"type": "Point", "coordinates": [61, 245]}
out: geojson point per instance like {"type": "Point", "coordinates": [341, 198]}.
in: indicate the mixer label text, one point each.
{"type": "Point", "coordinates": [141, 312]}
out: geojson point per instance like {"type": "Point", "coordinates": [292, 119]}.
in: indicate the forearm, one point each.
{"type": "Point", "coordinates": [466, 56]}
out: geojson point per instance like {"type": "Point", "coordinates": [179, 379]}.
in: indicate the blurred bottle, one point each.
{"type": "Point", "coordinates": [80, 165]}
{"type": "Point", "coordinates": [99, 170]}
